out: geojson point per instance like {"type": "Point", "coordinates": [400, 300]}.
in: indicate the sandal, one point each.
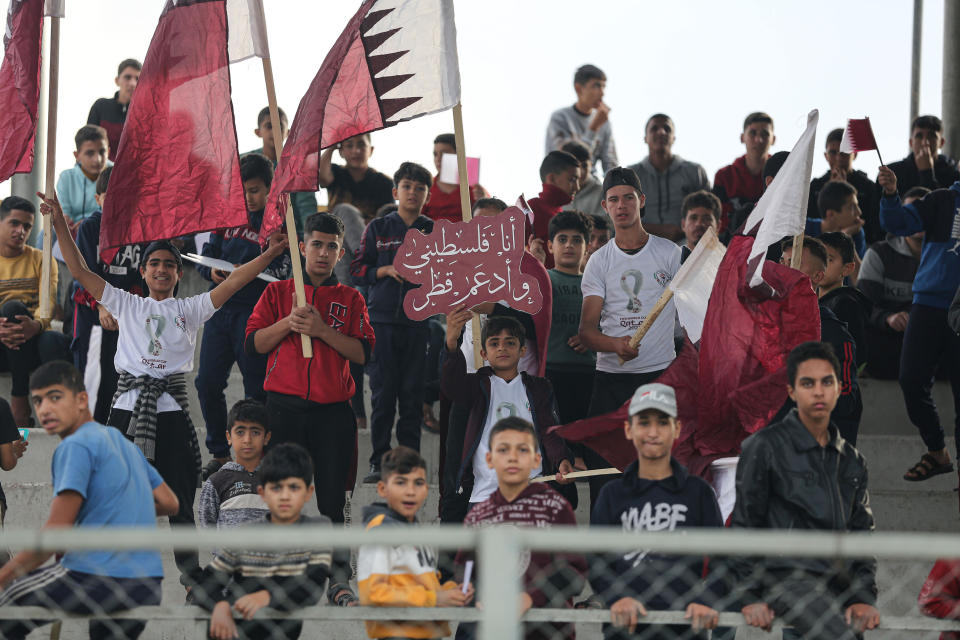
{"type": "Point", "coordinates": [926, 469]}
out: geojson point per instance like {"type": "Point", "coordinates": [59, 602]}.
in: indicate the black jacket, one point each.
{"type": "Point", "coordinates": [943, 174]}
{"type": "Point", "coordinates": [786, 480]}
{"type": "Point", "coordinates": [852, 307]}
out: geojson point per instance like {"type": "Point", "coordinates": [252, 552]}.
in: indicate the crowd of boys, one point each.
{"type": "Point", "coordinates": [883, 258]}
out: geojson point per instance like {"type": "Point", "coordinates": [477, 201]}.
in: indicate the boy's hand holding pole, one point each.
{"type": "Point", "coordinates": [887, 180]}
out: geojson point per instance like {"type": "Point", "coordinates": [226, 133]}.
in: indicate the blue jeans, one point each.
{"type": "Point", "coordinates": [222, 345]}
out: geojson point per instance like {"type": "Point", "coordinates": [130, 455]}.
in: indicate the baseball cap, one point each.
{"type": "Point", "coordinates": [621, 176]}
{"type": "Point", "coordinates": [654, 396]}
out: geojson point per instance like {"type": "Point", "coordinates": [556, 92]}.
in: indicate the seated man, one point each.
{"type": "Point", "coordinates": [25, 342]}
{"type": "Point", "coordinates": [925, 166]}
{"type": "Point", "coordinates": [740, 184]}
{"type": "Point", "coordinates": [841, 170]}
{"type": "Point", "coordinates": [586, 121]}
{"type": "Point", "coordinates": [817, 596]}
{"type": "Point", "coordinates": [100, 479]}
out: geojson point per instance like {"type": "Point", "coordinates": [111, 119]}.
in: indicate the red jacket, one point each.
{"type": "Point", "coordinates": [325, 378]}
{"type": "Point", "coordinates": [940, 595]}
{"type": "Point", "coordinates": [736, 187]}
{"type": "Point", "coordinates": [445, 206]}
{"type": "Point", "coordinates": [548, 204]}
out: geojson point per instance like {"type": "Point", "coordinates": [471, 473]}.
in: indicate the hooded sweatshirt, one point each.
{"type": "Point", "coordinates": [400, 576]}
{"type": "Point", "coordinates": [737, 189]}
{"type": "Point", "coordinates": [665, 191]}
{"type": "Point", "coordinates": [548, 204]}
{"type": "Point", "coordinates": [851, 306]}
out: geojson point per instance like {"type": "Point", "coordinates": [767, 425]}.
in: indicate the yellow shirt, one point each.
{"type": "Point", "coordinates": [20, 280]}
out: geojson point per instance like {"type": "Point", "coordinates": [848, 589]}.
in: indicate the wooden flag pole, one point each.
{"type": "Point", "coordinates": [44, 308]}
{"type": "Point", "coordinates": [466, 213]}
{"type": "Point", "coordinates": [609, 471]}
{"type": "Point", "coordinates": [291, 223]}
{"type": "Point", "coordinates": [797, 256]}
{"type": "Point", "coordinates": [641, 331]}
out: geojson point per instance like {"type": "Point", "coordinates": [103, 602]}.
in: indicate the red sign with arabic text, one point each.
{"type": "Point", "coordinates": [467, 263]}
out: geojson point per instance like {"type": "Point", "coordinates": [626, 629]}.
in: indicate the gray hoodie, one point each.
{"type": "Point", "coordinates": [665, 191]}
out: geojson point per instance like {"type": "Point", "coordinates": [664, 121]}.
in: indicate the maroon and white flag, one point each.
{"type": "Point", "coordinates": [177, 170]}
{"type": "Point", "coordinates": [395, 60]}
{"type": "Point", "coordinates": [20, 86]}
{"type": "Point", "coordinates": [858, 136]}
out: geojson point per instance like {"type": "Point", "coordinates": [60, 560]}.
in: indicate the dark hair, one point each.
{"type": "Point", "coordinates": [90, 133]}
{"type": "Point", "coordinates": [817, 248]}
{"type": "Point", "coordinates": [103, 180]}
{"type": "Point", "coordinates": [834, 136]}
{"type": "Point", "coordinates": [755, 117]}
{"type": "Point", "coordinates": [384, 209]}
{"type": "Point", "coordinates": [570, 220]}
{"type": "Point", "coordinates": [495, 325]}
{"type": "Point", "coordinates": [248, 410]}
{"type": "Point", "coordinates": [286, 460]}
{"type": "Point", "coordinates": [834, 195]}
{"type": "Point", "coordinates": [324, 223]}
{"type": "Point", "coordinates": [774, 163]}
{"type": "Point", "coordinates": [916, 192]}
{"type": "Point", "coordinates": [265, 115]}
{"type": "Point", "coordinates": [129, 62]}
{"type": "Point", "coordinates": [577, 149]}
{"type": "Point", "coordinates": [161, 245]}
{"type": "Point", "coordinates": [256, 165]}
{"type": "Point", "coordinates": [600, 222]}
{"type": "Point", "coordinates": [839, 242]}
{"type": "Point", "coordinates": [588, 72]}
{"type": "Point", "coordinates": [654, 117]}
{"type": "Point", "coordinates": [557, 162]}
{"type": "Point", "coordinates": [446, 138]}
{"type": "Point", "coordinates": [810, 351]}
{"type": "Point", "coordinates": [513, 423]}
{"type": "Point", "coordinates": [413, 172]}
{"type": "Point", "coordinates": [16, 202]}
{"type": "Point", "coordinates": [484, 203]}
{"type": "Point", "coordinates": [927, 122]}
{"type": "Point", "coordinates": [400, 460]}
{"type": "Point", "coordinates": [57, 372]}
{"type": "Point", "coordinates": [701, 198]}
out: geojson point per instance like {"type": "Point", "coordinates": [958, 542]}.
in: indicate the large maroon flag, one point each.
{"type": "Point", "coordinates": [736, 382]}
{"type": "Point", "coordinates": [177, 170]}
{"type": "Point", "coordinates": [390, 64]}
{"type": "Point", "coordinates": [20, 86]}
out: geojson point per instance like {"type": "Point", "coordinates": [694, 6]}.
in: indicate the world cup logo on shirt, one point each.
{"type": "Point", "coordinates": [505, 410]}
{"type": "Point", "coordinates": [955, 233]}
{"type": "Point", "coordinates": [154, 326]}
{"type": "Point", "coordinates": [633, 301]}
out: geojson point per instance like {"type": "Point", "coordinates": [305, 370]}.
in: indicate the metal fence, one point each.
{"type": "Point", "coordinates": [904, 560]}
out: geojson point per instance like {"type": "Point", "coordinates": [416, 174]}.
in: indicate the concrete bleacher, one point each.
{"type": "Point", "coordinates": [887, 440]}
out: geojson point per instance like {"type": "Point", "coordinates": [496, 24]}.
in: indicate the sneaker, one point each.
{"type": "Point", "coordinates": [211, 468]}
{"type": "Point", "coordinates": [373, 477]}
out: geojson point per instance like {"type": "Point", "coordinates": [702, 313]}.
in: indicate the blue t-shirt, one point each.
{"type": "Point", "coordinates": [117, 485]}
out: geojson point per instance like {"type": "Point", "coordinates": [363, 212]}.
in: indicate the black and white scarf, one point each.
{"type": "Point", "coordinates": [143, 420]}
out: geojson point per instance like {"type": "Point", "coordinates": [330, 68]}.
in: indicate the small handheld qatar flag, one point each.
{"type": "Point", "coordinates": [858, 136]}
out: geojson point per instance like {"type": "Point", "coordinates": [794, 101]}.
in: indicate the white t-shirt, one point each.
{"type": "Point", "coordinates": [157, 338]}
{"type": "Point", "coordinates": [507, 399]}
{"type": "Point", "coordinates": [529, 362]}
{"type": "Point", "coordinates": [630, 286]}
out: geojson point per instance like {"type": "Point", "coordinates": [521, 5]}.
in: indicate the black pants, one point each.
{"type": "Point", "coordinates": [85, 320]}
{"type": "Point", "coordinates": [397, 378]}
{"type": "Point", "coordinates": [175, 465]}
{"type": "Point", "coordinates": [927, 341]}
{"type": "Point", "coordinates": [610, 391]}
{"type": "Point", "coordinates": [56, 587]}
{"type": "Point", "coordinates": [328, 432]}
{"type": "Point", "coordinates": [44, 347]}
{"type": "Point", "coordinates": [812, 608]}
{"type": "Point", "coordinates": [267, 629]}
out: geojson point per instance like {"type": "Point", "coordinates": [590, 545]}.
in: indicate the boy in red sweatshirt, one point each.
{"type": "Point", "coordinates": [739, 185]}
{"type": "Point", "coordinates": [560, 173]}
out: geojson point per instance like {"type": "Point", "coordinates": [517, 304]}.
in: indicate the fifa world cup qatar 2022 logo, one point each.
{"type": "Point", "coordinates": [154, 326]}
{"type": "Point", "coordinates": [633, 292]}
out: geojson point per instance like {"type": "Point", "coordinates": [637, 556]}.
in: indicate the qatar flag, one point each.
{"type": "Point", "coordinates": [395, 60]}
{"type": "Point", "coordinates": [858, 136]}
{"type": "Point", "coordinates": [177, 170]}
{"type": "Point", "coordinates": [20, 86]}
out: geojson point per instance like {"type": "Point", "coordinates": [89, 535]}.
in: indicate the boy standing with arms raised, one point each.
{"type": "Point", "coordinates": [155, 348]}
{"type": "Point", "coordinates": [656, 493]}
{"type": "Point", "coordinates": [398, 368]}
{"type": "Point", "coordinates": [404, 575]}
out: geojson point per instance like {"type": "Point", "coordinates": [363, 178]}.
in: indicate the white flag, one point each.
{"type": "Point", "coordinates": [694, 281]}
{"type": "Point", "coordinates": [782, 211]}
{"type": "Point", "coordinates": [247, 30]}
